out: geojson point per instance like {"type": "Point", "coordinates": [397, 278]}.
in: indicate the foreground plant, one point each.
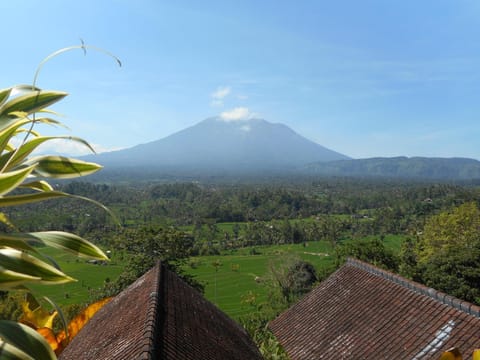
{"type": "Point", "coordinates": [21, 262]}
{"type": "Point", "coordinates": [36, 317]}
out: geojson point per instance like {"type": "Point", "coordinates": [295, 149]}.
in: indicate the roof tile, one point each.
{"type": "Point", "coordinates": [161, 317]}
{"type": "Point", "coordinates": [363, 312]}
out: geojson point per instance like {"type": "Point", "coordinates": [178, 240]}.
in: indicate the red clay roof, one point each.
{"type": "Point", "coordinates": [363, 312]}
{"type": "Point", "coordinates": [161, 317]}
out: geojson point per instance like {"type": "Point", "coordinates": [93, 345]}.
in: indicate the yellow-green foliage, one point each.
{"type": "Point", "coordinates": [21, 108]}
{"type": "Point", "coordinates": [457, 229]}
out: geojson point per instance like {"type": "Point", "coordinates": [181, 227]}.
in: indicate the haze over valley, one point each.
{"type": "Point", "coordinates": [257, 147]}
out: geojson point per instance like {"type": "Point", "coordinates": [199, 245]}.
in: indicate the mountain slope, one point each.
{"type": "Point", "coordinates": [217, 144]}
{"type": "Point", "coordinates": [402, 167]}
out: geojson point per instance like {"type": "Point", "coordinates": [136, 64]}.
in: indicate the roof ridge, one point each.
{"type": "Point", "coordinates": [150, 330]}
{"type": "Point", "coordinates": [418, 288]}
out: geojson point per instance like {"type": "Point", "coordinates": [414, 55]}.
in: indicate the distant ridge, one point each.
{"type": "Point", "coordinates": [215, 147]}
{"type": "Point", "coordinates": [216, 144]}
{"type": "Point", "coordinates": [401, 167]}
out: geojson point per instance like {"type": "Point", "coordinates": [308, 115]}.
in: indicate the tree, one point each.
{"type": "Point", "coordinates": [448, 252]}
{"type": "Point", "coordinates": [145, 246]}
{"type": "Point", "coordinates": [408, 259]}
{"type": "Point", "coordinates": [456, 272]}
{"type": "Point", "coordinates": [372, 251]}
{"type": "Point", "coordinates": [288, 279]}
{"type": "Point", "coordinates": [449, 230]}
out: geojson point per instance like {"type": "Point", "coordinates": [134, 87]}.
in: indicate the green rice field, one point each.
{"type": "Point", "coordinates": [89, 276]}
{"type": "Point", "coordinates": [241, 272]}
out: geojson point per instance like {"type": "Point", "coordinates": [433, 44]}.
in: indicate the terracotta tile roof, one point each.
{"type": "Point", "coordinates": [161, 317]}
{"type": "Point", "coordinates": [363, 312]}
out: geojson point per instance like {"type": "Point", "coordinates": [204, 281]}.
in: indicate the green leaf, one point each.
{"type": "Point", "coordinates": [65, 241]}
{"type": "Point", "coordinates": [23, 88]}
{"type": "Point", "coordinates": [11, 279]}
{"type": "Point", "coordinates": [23, 337]}
{"type": "Point", "coordinates": [26, 149]}
{"type": "Point", "coordinates": [60, 314]}
{"type": "Point", "coordinates": [5, 220]}
{"type": "Point", "coordinates": [23, 263]}
{"type": "Point", "coordinates": [48, 111]}
{"type": "Point", "coordinates": [42, 120]}
{"type": "Point", "coordinates": [30, 102]}
{"type": "Point", "coordinates": [83, 47]}
{"type": "Point", "coordinates": [4, 94]}
{"type": "Point", "coordinates": [19, 114]}
{"type": "Point", "coordinates": [16, 241]}
{"type": "Point", "coordinates": [11, 180]}
{"type": "Point", "coordinates": [40, 185]}
{"type": "Point", "coordinates": [31, 132]}
{"type": "Point", "coordinates": [13, 127]}
{"type": "Point", "coordinates": [10, 352]}
{"type": "Point", "coordinates": [60, 167]}
{"type": "Point", "coordinates": [50, 121]}
{"type": "Point", "coordinates": [9, 130]}
{"type": "Point", "coordinates": [16, 122]}
{"type": "Point", "coordinates": [15, 200]}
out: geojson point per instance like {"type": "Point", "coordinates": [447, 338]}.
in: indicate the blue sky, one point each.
{"type": "Point", "coordinates": [365, 78]}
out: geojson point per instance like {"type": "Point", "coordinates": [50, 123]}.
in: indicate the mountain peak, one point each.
{"type": "Point", "coordinates": [234, 145]}
{"type": "Point", "coordinates": [220, 119]}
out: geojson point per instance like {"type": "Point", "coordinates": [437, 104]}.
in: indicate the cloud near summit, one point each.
{"type": "Point", "coordinates": [236, 114]}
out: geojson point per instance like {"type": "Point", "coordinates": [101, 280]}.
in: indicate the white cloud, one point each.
{"type": "Point", "coordinates": [218, 95]}
{"type": "Point", "coordinates": [236, 114]}
{"type": "Point", "coordinates": [70, 148]}
{"type": "Point", "coordinates": [221, 92]}
{"type": "Point", "coordinates": [101, 149]}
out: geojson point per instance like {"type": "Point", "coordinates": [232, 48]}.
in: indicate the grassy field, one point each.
{"type": "Point", "coordinates": [239, 270]}
{"type": "Point", "coordinates": [241, 273]}
{"type": "Point", "coordinates": [222, 227]}
{"type": "Point", "coordinates": [89, 276]}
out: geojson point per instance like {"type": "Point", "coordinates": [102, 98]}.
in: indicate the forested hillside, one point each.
{"type": "Point", "coordinates": [255, 247]}
{"type": "Point", "coordinates": [389, 206]}
{"type": "Point", "coordinates": [402, 168]}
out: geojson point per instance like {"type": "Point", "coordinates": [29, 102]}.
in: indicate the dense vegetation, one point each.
{"type": "Point", "coordinates": [391, 206]}
{"type": "Point", "coordinates": [408, 168]}
{"type": "Point", "coordinates": [254, 248]}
